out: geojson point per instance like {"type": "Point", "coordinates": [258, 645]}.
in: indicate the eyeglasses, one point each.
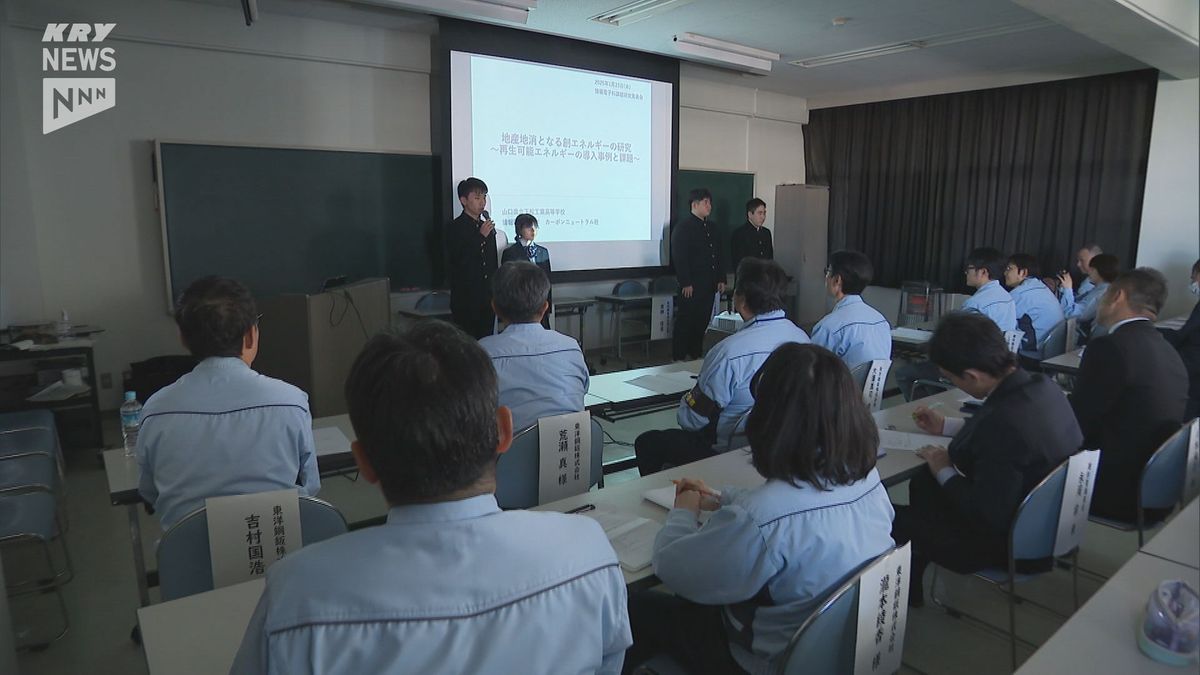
{"type": "Point", "coordinates": [828, 270]}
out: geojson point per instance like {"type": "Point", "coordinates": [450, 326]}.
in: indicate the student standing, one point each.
{"type": "Point", "coordinates": [470, 243]}
{"type": "Point", "coordinates": [752, 239]}
{"type": "Point", "coordinates": [699, 273]}
{"type": "Point", "coordinates": [524, 249]}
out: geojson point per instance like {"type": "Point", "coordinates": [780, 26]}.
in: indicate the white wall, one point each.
{"type": "Point", "coordinates": [78, 226]}
{"type": "Point", "coordinates": [77, 217]}
{"type": "Point", "coordinates": [1170, 236]}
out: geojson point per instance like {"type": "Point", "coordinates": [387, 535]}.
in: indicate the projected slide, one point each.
{"type": "Point", "coordinates": [587, 153]}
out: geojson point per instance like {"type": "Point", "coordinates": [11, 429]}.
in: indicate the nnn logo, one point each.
{"type": "Point", "coordinates": [66, 100]}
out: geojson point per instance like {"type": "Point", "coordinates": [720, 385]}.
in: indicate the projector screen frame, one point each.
{"type": "Point", "coordinates": [487, 40]}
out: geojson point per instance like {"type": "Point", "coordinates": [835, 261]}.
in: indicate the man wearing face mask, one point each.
{"type": "Point", "coordinates": [1131, 390]}
{"type": "Point", "coordinates": [524, 250]}
{"type": "Point", "coordinates": [1186, 341]}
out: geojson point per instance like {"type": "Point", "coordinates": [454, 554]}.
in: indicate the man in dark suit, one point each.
{"type": "Point", "coordinates": [1186, 341]}
{"type": "Point", "coordinates": [959, 514]}
{"type": "Point", "coordinates": [470, 244]}
{"type": "Point", "coordinates": [524, 250]}
{"type": "Point", "coordinates": [1131, 390]}
{"type": "Point", "coordinates": [751, 240]}
{"type": "Point", "coordinates": [700, 274]}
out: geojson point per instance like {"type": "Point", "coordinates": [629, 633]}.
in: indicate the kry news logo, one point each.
{"type": "Point", "coordinates": [66, 100]}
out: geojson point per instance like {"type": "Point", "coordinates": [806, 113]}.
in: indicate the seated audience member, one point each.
{"type": "Point", "coordinates": [1083, 259]}
{"type": "Point", "coordinates": [960, 512]}
{"type": "Point", "coordinates": [768, 555]}
{"type": "Point", "coordinates": [1037, 308]}
{"type": "Point", "coordinates": [222, 429]}
{"type": "Point", "coordinates": [541, 371]}
{"type": "Point", "coordinates": [854, 330]}
{"type": "Point", "coordinates": [1186, 341]}
{"type": "Point", "coordinates": [524, 249]}
{"type": "Point", "coordinates": [983, 271]}
{"type": "Point", "coordinates": [1102, 269]}
{"type": "Point", "coordinates": [1051, 282]}
{"type": "Point", "coordinates": [450, 583]}
{"type": "Point", "coordinates": [1131, 390]}
{"type": "Point", "coordinates": [711, 412]}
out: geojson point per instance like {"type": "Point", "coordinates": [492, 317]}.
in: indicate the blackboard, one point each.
{"type": "Point", "coordinates": [283, 220]}
{"type": "Point", "coordinates": [730, 192]}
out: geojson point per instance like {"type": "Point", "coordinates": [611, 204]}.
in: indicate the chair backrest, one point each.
{"type": "Point", "coordinates": [434, 301]}
{"type": "Point", "coordinates": [1163, 477]}
{"type": "Point", "coordinates": [1035, 528]}
{"type": "Point", "coordinates": [664, 285]}
{"type": "Point", "coordinates": [1072, 337]}
{"type": "Point", "coordinates": [736, 438]}
{"type": "Point", "coordinates": [1055, 343]}
{"type": "Point", "coordinates": [1013, 339]}
{"type": "Point", "coordinates": [825, 642]}
{"type": "Point", "coordinates": [870, 378]}
{"type": "Point", "coordinates": [517, 470]}
{"type": "Point", "coordinates": [629, 287]}
{"type": "Point", "coordinates": [184, 562]}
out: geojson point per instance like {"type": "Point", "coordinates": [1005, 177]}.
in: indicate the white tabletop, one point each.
{"type": "Point", "coordinates": [615, 387]}
{"type": "Point", "coordinates": [1179, 540]}
{"type": "Point", "coordinates": [911, 336]}
{"type": "Point", "coordinates": [1102, 636]}
{"type": "Point", "coordinates": [1067, 361]}
{"type": "Point", "coordinates": [199, 634]}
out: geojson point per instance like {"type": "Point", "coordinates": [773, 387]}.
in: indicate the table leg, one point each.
{"type": "Point", "coordinates": [139, 558]}
{"type": "Point", "coordinates": [617, 328]}
{"type": "Point", "coordinates": [582, 332]}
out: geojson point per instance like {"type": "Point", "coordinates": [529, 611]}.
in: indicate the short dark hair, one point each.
{"type": "Point", "coordinates": [809, 422]}
{"type": "Point", "coordinates": [523, 221]}
{"type": "Point", "coordinates": [1092, 247]}
{"type": "Point", "coordinates": [468, 185]}
{"type": "Point", "coordinates": [1106, 265]}
{"type": "Point", "coordinates": [853, 268]}
{"type": "Point", "coordinates": [698, 195]}
{"type": "Point", "coordinates": [970, 340]}
{"type": "Point", "coordinates": [753, 205]}
{"type": "Point", "coordinates": [761, 283]}
{"type": "Point", "coordinates": [987, 258]}
{"type": "Point", "coordinates": [1196, 267]}
{"type": "Point", "coordinates": [423, 404]}
{"type": "Point", "coordinates": [519, 290]}
{"type": "Point", "coordinates": [1024, 261]}
{"type": "Point", "coordinates": [213, 315]}
{"type": "Point", "coordinates": [1145, 288]}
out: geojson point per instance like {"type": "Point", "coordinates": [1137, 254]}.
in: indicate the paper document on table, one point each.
{"type": "Point", "coordinates": [666, 383]}
{"type": "Point", "coordinates": [634, 544]}
{"type": "Point", "coordinates": [665, 497]}
{"type": "Point", "coordinates": [912, 334]}
{"type": "Point", "coordinates": [903, 440]}
{"type": "Point", "coordinates": [330, 441]}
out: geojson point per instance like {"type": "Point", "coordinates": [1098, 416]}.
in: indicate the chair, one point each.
{"type": "Point", "coordinates": [1032, 536]}
{"type": "Point", "coordinates": [436, 301]}
{"type": "Point", "coordinates": [147, 377]}
{"type": "Point", "coordinates": [1053, 343]}
{"type": "Point", "coordinates": [1162, 483]}
{"type": "Point", "coordinates": [641, 323]}
{"type": "Point", "coordinates": [184, 561]}
{"type": "Point", "coordinates": [737, 435]}
{"type": "Point", "coordinates": [870, 378]}
{"type": "Point", "coordinates": [517, 470]}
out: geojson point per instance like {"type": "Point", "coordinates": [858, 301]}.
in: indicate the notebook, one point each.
{"type": "Point", "coordinates": [631, 537]}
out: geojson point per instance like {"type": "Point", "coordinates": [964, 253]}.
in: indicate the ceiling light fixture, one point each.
{"type": "Point", "coordinates": [922, 43]}
{"type": "Point", "coordinates": [512, 11]}
{"type": "Point", "coordinates": [726, 54]}
{"type": "Point", "coordinates": [639, 10]}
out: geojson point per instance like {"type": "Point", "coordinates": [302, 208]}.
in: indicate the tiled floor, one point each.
{"type": "Point", "coordinates": [101, 599]}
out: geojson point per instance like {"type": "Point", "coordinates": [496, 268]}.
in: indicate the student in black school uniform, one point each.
{"type": "Point", "coordinates": [752, 239]}
{"type": "Point", "coordinates": [524, 250]}
{"type": "Point", "coordinates": [470, 243]}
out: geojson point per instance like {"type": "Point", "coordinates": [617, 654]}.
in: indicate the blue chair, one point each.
{"type": "Point", "coordinates": [184, 561]}
{"type": "Point", "coordinates": [517, 470]}
{"type": "Point", "coordinates": [1032, 537]}
{"type": "Point", "coordinates": [1053, 343]}
{"type": "Point", "coordinates": [1162, 481]}
{"type": "Point", "coordinates": [435, 301]}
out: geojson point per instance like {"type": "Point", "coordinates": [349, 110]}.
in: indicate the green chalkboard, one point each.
{"type": "Point", "coordinates": [284, 220]}
{"type": "Point", "coordinates": [730, 192]}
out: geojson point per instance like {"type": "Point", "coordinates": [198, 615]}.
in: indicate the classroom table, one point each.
{"type": "Point", "coordinates": [564, 307]}
{"type": "Point", "coordinates": [1179, 540]}
{"type": "Point", "coordinates": [122, 474]}
{"type": "Point", "coordinates": [414, 313]}
{"type": "Point", "coordinates": [1066, 363]}
{"type": "Point", "coordinates": [1101, 637]}
{"type": "Point", "coordinates": [615, 397]}
{"type": "Point", "coordinates": [199, 634]}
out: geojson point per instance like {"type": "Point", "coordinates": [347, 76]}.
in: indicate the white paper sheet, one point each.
{"type": "Point", "coordinates": [903, 440]}
{"type": "Point", "coordinates": [666, 383]}
{"type": "Point", "coordinates": [330, 441]}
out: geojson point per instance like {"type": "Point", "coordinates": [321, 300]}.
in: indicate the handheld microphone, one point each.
{"type": "Point", "coordinates": [484, 215]}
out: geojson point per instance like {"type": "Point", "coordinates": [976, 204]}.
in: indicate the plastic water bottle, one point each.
{"type": "Point", "coordinates": [131, 421]}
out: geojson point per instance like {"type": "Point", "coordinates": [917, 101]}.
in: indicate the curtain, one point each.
{"type": "Point", "coordinates": [915, 184]}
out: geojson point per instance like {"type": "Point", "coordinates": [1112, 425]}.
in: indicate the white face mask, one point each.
{"type": "Point", "coordinates": [1194, 287]}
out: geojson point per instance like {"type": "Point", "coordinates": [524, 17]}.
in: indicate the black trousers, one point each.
{"type": "Point", "coordinates": [476, 319]}
{"type": "Point", "coordinates": [691, 634]}
{"type": "Point", "coordinates": [691, 320]}
{"type": "Point", "coordinates": [658, 450]}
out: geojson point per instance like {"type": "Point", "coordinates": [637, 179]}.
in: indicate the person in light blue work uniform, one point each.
{"type": "Point", "coordinates": [983, 271]}
{"type": "Point", "coordinates": [1038, 311]}
{"type": "Point", "coordinates": [222, 429]}
{"type": "Point", "coordinates": [747, 579]}
{"type": "Point", "coordinates": [711, 413]}
{"type": "Point", "coordinates": [854, 330]}
{"type": "Point", "coordinates": [541, 371]}
{"type": "Point", "coordinates": [450, 583]}
{"type": "Point", "coordinates": [1102, 269]}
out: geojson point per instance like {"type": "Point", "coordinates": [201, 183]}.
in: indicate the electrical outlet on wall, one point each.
{"type": "Point", "coordinates": [106, 380]}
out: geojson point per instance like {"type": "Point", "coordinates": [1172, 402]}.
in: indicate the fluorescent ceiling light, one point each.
{"type": "Point", "coordinates": [727, 54]}
{"type": "Point", "coordinates": [921, 43]}
{"type": "Point", "coordinates": [512, 11]}
{"type": "Point", "coordinates": [639, 10]}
